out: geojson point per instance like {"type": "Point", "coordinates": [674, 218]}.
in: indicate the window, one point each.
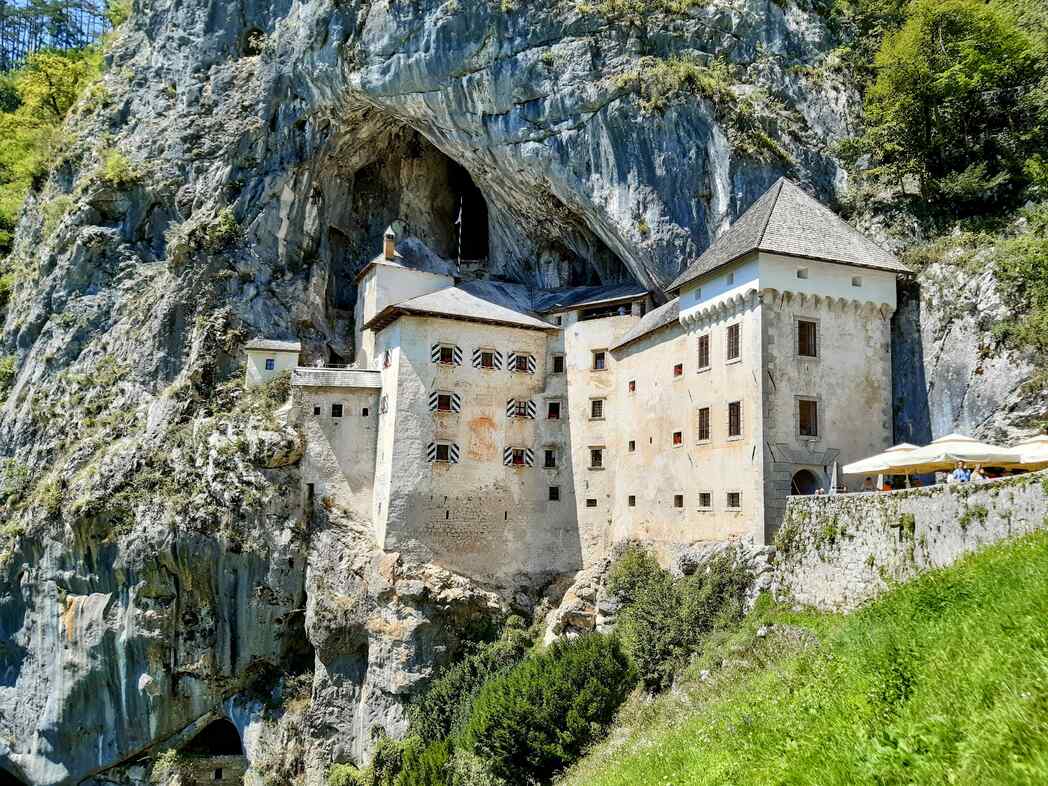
{"type": "Point", "coordinates": [520, 409]}
{"type": "Point", "coordinates": [704, 424]}
{"type": "Point", "coordinates": [487, 359]}
{"type": "Point", "coordinates": [600, 360]}
{"type": "Point", "coordinates": [735, 419]}
{"type": "Point", "coordinates": [631, 500]}
{"type": "Point", "coordinates": [387, 358]}
{"type": "Point", "coordinates": [554, 493]}
{"type": "Point", "coordinates": [678, 500]}
{"type": "Point", "coordinates": [443, 452]}
{"type": "Point", "coordinates": [271, 364]}
{"type": "Point", "coordinates": [808, 417]}
{"type": "Point", "coordinates": [596, 458]}
{"type": "Point", "coordinates": [521, 363]}
{"type": "Point", "coordinates": [802, 272]}
{"type": "Point", "coordinates": [704, 352]}
{"type": "Point", "coordinates": [678, 438]}
{"type": "Point", "coordinates": [632, 445]}
{"type": "Point", "coordinates": [856, 281]}
{"type": "Point", "coordinates": [631, 386]}
{"type": "Point", "coordinates": [733, 341]}
{"type": "Point", "coordinates": [550, 461]}
{"type": "Point", "coordinates": [705, 500]}
{"type": "Point", "coordinates": [443, 402]}
{"type": "Point", "coordinates": [730, 278]}
{"type": "Point", "coordinates": [316, 409]}
{"type": "Point", "coordinates": [552, 410]}
{"type": "Point", "coordinates": [591, 503]}
{"type": "Point", "coordinates": [217, 774]}
{"type": "Point", "coordinates": [336, 410]}
{"type": "Point", "coordinates": [807, 338]}
{"type": "Point", "coordinates": [597, 409]}
{"type": "Point", "coordinates": [447, 356]}
{"type": "Point", "coordinates": [518, 457]}
{"type": "Point", "coordinates": [678, 370]}
{"type": "Point", "coordinates": [698, 294]}
{"type": "Point", "coordinates": [558, 364]}
{"type": "Point", "coordinates": [364, 412]}
{"type": "Point", "coordinates": [734, 500]}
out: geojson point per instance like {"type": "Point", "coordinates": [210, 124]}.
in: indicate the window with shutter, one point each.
{"type": "Point", "coordinates": [447, 356]}
{"type": "Point", "coordinates": [443, 402]}
{"type": "Point", "coordinates": [487, 359]}
{"type": "Point", "coordinates": [443, 452]}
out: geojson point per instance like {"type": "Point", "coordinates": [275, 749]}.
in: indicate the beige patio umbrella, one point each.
{"type": "Point", "coordinates": [944, 453]}
{"type": "Point", "coordinates": [875, 465]}
{"type": "Point", "coordinates": [1033, 453]}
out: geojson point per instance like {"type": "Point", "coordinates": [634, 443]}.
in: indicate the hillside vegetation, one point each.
{"type": "Point", "coordinates": [944, 680]}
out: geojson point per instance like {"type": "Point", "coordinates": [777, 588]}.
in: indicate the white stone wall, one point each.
{"type": "Point", "coordinates": [256, 371]}
{"type": "Point", "coordinates": [836, 552]}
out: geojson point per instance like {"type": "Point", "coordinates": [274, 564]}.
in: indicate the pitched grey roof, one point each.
{"type": "Point", "coordinates": [457, 303]}
{"type": "Point", "coordinates": [580, 297]}
{"type": "Point", "coordinates": [785, 220]}
{"type": "Point", "coordinates": [269, 345]}
{"type": "Point", "coordinates": [656, 319]}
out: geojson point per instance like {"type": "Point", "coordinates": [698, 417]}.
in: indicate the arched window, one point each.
{"type": "Point", "coordinates": [804, 483]}
{"type": "Point", "coordinates": [218, 738]}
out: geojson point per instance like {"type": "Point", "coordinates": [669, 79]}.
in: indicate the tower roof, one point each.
{"type": "Point", "coordinates": [786, 220]}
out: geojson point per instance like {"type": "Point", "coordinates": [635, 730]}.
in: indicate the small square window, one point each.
{"type": "Point", "coordinates": [807, 338]}
{"type": "Point", "coordinates": [734, 344]}
{"type": "Point", "coordinates": [518, 457]}
{"type": "Point", "coordinates": [520, 363]}
{"type": "Point", "coordinates": [730, 278]}
{"type": "Point", "coordinates": [550, 461]}
{"type": "Point", "coordinates": [487, 359]}
{"type": "Point", "coordinates": [558, 364]}
{"type": "Point", "coordinates": [678, 500]}
{"type": "Point", "coordinates": [558, 320]}
{"type": "Point", "coordinates": [591, 503]}
{"type": "Point", "coordinates": [552, 410]}
{"type": "Point", "coordinates": [735, 419]}
{"type": "Point", "coordinates": [678, 438]}
{"type": "Point", "coordinates": [705, 500]}
{"type": "Point", "coordinates": [704, 424]}
{"type": "Point", "coordinates": [447, 356]}
{"type": "Point", "coordinates": [698, 294]}
{"type": "Point", "coordinates": [443, 452]}
{"type": "Point", "coordinates": [678, 370]}
{"type": "Point", "coordinates": [596, 458]}
{"type": "Point", "coordinates": [316, 409]}
{"type": "Point", "coordinates": [802, 272]}
{"type": "Point", "coordinates": [520, 409]}
{"type": "Point", "coordinates": [631, 386]}
{"type": "Point", "coordinates": [365, 412]}
{"type": "Point", "coordinates": [856, 281]}
{"type": "Point", "coordinates": [597, 409]}
{"type": "Point", "coordinates": [632, 445]}
{"type": "Point", "coordinates": [443, 402]}
{"type": "Point", "coordinates": [631, 500]}
{"type": "Point", "coordinates": [704, 352]}
{"type": "Point", "coordinates": [271, 364]}
{"type": "Point", "coordinates": [600, 360]}
{"type": "Point", "coordinates": [734, 500]}
{"type": "Point", "coordinates": [808, 418]}
{"type": "Point", "coordinates": [554, 493]}
{"type": "Point", "coordinates": [336, 410]}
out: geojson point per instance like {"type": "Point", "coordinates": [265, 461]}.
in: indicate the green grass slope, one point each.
{"type": "Point", "coordinates": [942, 681]}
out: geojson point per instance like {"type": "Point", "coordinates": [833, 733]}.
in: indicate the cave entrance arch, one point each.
{"type": "Point", "coordinates": [218, 738]}
{"type": "Point", "coordinates": [804, 483]}
{"type": "Point", "coordinates": [8, 779]}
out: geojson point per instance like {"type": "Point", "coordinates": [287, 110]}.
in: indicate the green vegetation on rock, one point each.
{"type": "Point", "coordinates": [941, 681]}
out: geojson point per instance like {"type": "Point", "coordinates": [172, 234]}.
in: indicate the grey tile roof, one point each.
{"type": "Point", "coordinates": [457, 303]}
{"type": "Point", "coordinates": [655, 319]}
{"type": "Point", "coordinates": [786, 220]}
{"type": "Point", "coordinates": [578, 297]}
{"type": "Point", "coordinates": [269, 345]}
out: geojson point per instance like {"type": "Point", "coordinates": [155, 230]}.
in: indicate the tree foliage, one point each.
{"type": "Point", "coordinates": [959, 106]}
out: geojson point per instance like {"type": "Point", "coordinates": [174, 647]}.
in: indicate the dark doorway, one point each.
{"type": "Point", "coordinates": [218, 738]}
{"type": "Point", "coordinates": [804, 483]}
{"type": "Point", "coordinates": [7, 779]}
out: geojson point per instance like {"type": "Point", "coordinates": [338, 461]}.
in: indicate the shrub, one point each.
{"type": "Point", "coordinates": [429, 766]}
{"type": "Point", "coordinates": [118, 11]}
{"type": "Point", "coordinates": [7, 374]}
{"type": "Point", "coordinates": [117, 171]}
{"type": "Point", "coordinates": [344, 775]}
{"type": "Point", "coordinates": [1021, 267]}
{"type": "Point", "coordinates": [539, 717]}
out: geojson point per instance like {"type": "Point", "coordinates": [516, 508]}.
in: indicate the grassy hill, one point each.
{"type": "Point", "coordinates": [943, 681]}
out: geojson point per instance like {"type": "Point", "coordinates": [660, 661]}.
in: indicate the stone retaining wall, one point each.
{"type": "Point", "coordinates": [835, 552]}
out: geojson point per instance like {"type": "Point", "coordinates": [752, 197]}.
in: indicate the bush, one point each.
{"type": "Point", "coordinates": [429, 766]}
{"type": "Point", "coordinates": [7, 374]}
{"type": "Point", "coordinates": [533, 721]}
{"type": "Point", "coordinates": [344, 775]}
{"type": "Point", "coordinates": [1021, 266]}
{"type": "Point", "coordinates": [117, 171]}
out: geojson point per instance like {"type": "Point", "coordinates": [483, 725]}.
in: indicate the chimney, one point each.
{"type": "Point", "coordinates": [389, 248]}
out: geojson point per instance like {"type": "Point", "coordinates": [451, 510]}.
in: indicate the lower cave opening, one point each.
{"type": "Point", "coordinates": [218, 738]}
{"type": "Point", "coordinates": [8, 779]}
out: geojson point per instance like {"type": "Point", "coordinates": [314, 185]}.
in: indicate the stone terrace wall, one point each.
{"type": "Point", "coordinates": [836, 552]}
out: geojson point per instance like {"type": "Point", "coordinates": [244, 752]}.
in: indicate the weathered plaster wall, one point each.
{"type": "Point", "coordinates": [257, 373]}
{"type": "Point", "coordinates": [836, 552]}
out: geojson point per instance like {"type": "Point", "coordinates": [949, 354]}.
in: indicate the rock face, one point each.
{"type": "Point", "coordinates": [156, 562]}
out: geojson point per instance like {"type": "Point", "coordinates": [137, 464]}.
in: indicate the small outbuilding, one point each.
{"type": "Point", "coordinates": [267, 359]}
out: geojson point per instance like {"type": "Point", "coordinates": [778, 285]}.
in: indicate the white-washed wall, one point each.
{"type": "Point", "coordinates": [835, 552]}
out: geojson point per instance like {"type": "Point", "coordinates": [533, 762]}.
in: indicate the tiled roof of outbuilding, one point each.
{"type": "Point", "coordinates": [457, 303]}
{"type": "Point", "coordinates": [270, 345]}
{"type": "Point", "coordinates": [654, 320]}
{"type": "Point", "coordinates": [786, 220]}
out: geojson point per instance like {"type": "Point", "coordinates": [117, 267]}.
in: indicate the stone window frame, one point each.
{"type": "Point", "coordinates": [487, 351]}
{"type": "Point", "coordinates": [742, 421]}
{"type": "Point", "coordinates": [677, 440]}
{"type": "Point", "coordinates": [603, 353]}
{"type": "Point", "coordinates": [271, 364]}
{"type": "Point", "coordinates": [797, 319]}
{"type": "Point", "coordinates": [678, 371]}
{"type": "Point", "coordinates": [553, 363]}
{"type": "Point", "coordinates": [708, 335]}
{"type": "Point", "coordinates": [591, 502]}
{"type": "Point", "coordinates": [339, 408]}
{"type": "Point", "coordinates": [856, 281]}
{"type": "Point", "coordinates": [705, 508]}
{"type": "Point", "coordinates": [678, 498]}
{"type": "Point", "coordinates": [449, 346]}
{"type": "Point", "coordinates": [523, 454]}
{"type": "Point", "coordinates": [442, 394]}
{"type": "Point", "coordinates": [446, 446]}
{"type": "Point", "coordinates": [548, 449]}
{"type": "Point", "coordinates": [727, 500]}
{"type": "Point", "coordinates": [554, 494]}
{"type": "Point", "coordinates": [817, 400]}
{"type": "Point", "coordinates": [631, 446]}
{"type": "Point", "coordinates": [597, 467]}
{"type": "Point", "coordinates": [631, 501]}
{"type": "Point", "coordinates": [603, 408]}
{"type": "Point", "coordinates": [517, 358]}
{"type": "Point", "coordinates": [708, 440]}
{"type": "Point", "coordinates": [317, 409]}
{"type": "Point", "coordinates": [728, 360]}
{"type": "Point", "coordinates": [631, 387]}
{"type": "Point", "coordinates": [560, 411]}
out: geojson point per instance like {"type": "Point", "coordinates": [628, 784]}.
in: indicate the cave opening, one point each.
{"type": "Point", "coordinates": [218, 738]}
{"type": "Point", "coordinates": [8, 779]}
{"type": "Point", "coordinates": [471, 220]}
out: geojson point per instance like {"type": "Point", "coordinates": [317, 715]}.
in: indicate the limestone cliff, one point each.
{"type": "Point", "coordinates": [234, 168]}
